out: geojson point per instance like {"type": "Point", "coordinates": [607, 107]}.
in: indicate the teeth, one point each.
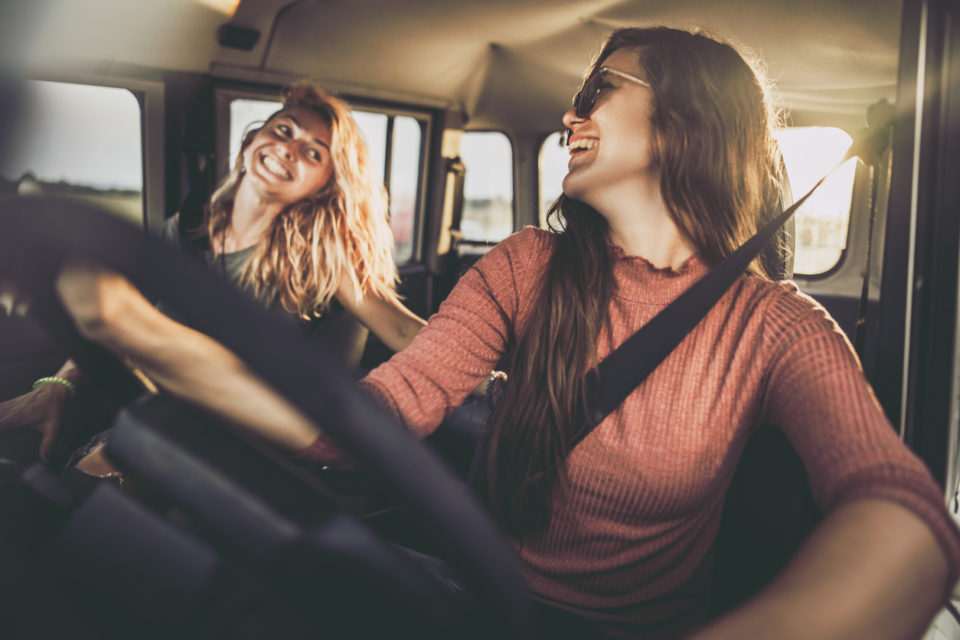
{"type": "Point", "coordinates": [582, 143]}
{"type": "Point", "coordinates": [275, 167]}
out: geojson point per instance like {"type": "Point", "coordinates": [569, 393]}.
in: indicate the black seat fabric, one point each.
{"type": "Point", "coordinates": [768, 513]}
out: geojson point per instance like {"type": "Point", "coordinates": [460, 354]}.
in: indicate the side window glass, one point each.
{"type": "Point", "coordinates": [79, 141]}
{"type": "Point", "coordinates": [400, 134]}
{"type": "Point", "coordinates": [488, 186]}
{"type": "Point", "coordinates": [553, 167]}
{"type": "Point", "coordinates": [404, 183]}
{"type": "Point", "coordinates": [822, 221]}
{"type": "Point", "coordinates": [374, 128]}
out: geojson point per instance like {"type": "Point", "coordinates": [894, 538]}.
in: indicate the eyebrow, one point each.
{"type": "Point", "coordinates": [299, 126]}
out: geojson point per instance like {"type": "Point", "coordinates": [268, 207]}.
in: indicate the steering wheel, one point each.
{"type": "Point", "coordinates": [46, 231]}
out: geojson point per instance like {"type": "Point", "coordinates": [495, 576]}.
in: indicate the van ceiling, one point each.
{"type": "Point", "coordinates": [506, 64]}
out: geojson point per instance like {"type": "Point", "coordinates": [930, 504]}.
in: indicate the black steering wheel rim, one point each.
{"type": "Point", "coordinates": [47, 231]}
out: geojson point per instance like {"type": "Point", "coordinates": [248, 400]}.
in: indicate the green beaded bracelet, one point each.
{"type": "Point", "coordinates": [56, 380]}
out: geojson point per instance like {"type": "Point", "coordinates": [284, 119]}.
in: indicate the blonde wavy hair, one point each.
{"type": "Point", "coordinates": [341, 231]}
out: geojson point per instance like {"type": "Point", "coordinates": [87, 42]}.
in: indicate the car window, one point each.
{"type": "Point", "coordinates": [400, 171]}
{"type": "Point", "coordinates": [374, 128]}
{"type": "Point", "coordinates": [552, 169]}
{"type": "Point", "coordinates": [822, 221]}
{"type": "Point", "coordinates": [80, 141]}
{"type": "Point", "coordinates": [404, 183]}
{"type": "Point", "coordinates": [487, 187]}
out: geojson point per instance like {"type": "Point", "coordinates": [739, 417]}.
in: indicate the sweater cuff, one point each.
{"type": "Point", "coordinates": [380, 394]}
{"type": "Point", "coordinates": [328, 452]}
{"type": "Point", "coordinates": [325, 451]}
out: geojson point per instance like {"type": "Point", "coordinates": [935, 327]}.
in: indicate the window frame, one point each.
{"type": "Point", "coordinates": [514, 170]}
{"type": "Point", "coordinates": [853, 217]}
{"type": "Point", "coordinates": [226, 92]}
{"type": "Point", "coordinates": [149, 93]}
{"type": "Point", "coordinates": [845, 253]}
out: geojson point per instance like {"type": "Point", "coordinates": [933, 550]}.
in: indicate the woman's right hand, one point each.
{"type": "Point", "coordinates": [40, 409]}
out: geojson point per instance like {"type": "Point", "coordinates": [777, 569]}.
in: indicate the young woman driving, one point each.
{"type": "Point", "coordinates": [302, 223]}
{"type": "Point", "coordinates": [672, 165]}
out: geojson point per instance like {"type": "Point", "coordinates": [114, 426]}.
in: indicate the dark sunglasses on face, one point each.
{"type": "Point", "coordinates": [585, 101]}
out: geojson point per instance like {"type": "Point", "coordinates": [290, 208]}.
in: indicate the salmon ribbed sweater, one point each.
{"type": "Point", "coordinates": [630, 544]}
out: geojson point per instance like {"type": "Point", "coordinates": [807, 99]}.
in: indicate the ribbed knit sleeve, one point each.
{"type": "Point", "coordinates": [818, 395]}
{"type": "Point", "coordinates": [465, 339]}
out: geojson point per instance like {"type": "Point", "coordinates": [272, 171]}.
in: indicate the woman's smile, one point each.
{"type": "Point", "coordinates": [275, 167]}
{"type": "Point", "coordinates": [580, 146]}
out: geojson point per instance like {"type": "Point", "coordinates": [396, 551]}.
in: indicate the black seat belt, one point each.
{"type": "Point", "coordinates": [628, 366]}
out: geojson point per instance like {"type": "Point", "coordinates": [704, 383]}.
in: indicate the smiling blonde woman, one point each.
{"type": "Point", "coordinates": [304, 194]}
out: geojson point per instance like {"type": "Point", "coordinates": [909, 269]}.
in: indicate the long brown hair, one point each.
{"type": "Point", "coordinates": [341, 231]}
{"type": "Point", "coordinates": [712, 140]}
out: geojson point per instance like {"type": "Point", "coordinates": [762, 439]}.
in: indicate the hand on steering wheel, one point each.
{"type": "Point", "coordinates": [40, 409]}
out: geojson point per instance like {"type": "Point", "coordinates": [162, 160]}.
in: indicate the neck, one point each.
{"type": "Point", "coordinates": [250, 219]}
{"type": "Point", "coordinates": [661, 244]}
{"type": "Point", "coordinates": [641, 225]}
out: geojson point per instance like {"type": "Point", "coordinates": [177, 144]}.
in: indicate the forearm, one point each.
{"type": "Point", "coordinates": [192, 366]}
{"type": "Point", "coordinates": [872, 570]}
{"type": "Point", "coordinates": [402, 326]}
{"type": "Point", "coordinates": [186, 363]}
{"type": "Point", "coordinates": [389, 319]}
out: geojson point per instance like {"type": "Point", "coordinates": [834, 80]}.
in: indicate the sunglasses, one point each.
{"type": "Point", "coordinates": [585, 101]}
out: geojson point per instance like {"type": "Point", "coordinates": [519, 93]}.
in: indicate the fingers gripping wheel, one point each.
{"type": "Point", "coordinates": [46, 231]}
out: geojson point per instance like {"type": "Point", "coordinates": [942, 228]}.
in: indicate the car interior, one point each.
{"type": "Point", "coordinates": [461, 105]}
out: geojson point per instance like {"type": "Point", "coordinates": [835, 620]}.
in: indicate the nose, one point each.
{"type": "Point", "coordinates": [570, 119]}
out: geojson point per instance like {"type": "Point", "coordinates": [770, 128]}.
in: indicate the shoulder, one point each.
{"type": "Point", "coordinates": [786, 304]}
{"type": "Point", "coordinates": [529, 240]}
{"type": "Point", "coordinates": [508, 272]}
{"type": "Point", "coordinates": [517, 259]}
{"type": "Point", "coordinates": [530, 245]}
{"type": "Point", "coordinates": [790, 318]}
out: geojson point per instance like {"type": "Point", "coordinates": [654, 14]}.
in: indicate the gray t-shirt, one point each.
{"type": "Point", "coordinates": [336, 330]}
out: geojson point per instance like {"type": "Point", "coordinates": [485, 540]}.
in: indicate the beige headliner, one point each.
{"type": "Point", "coordinates": [510, 64]}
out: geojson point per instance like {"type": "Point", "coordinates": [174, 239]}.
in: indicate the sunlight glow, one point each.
{"type": "Point", "coordinates": [226, 7]}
